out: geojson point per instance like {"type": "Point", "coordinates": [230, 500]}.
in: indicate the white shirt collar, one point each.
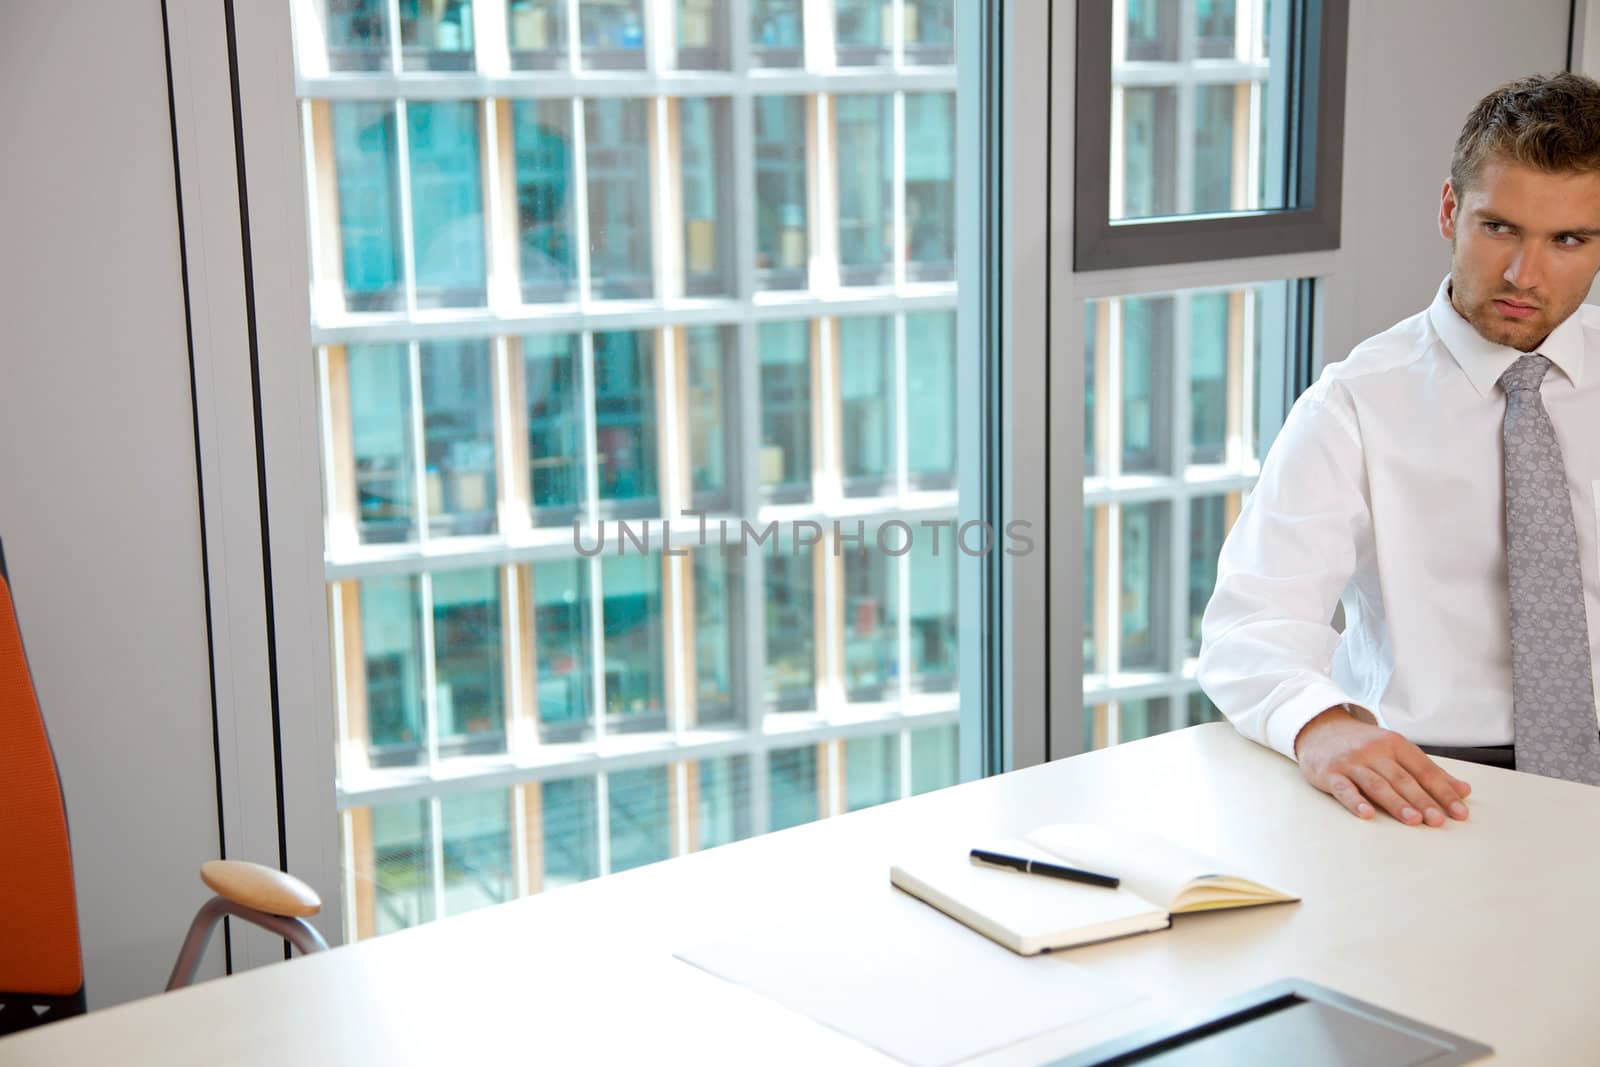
{"type": "Point", "coordinates": [1484, 362]}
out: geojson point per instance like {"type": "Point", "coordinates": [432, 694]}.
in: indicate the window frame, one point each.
{"type": "Point", "coordinates": [1314, 37]}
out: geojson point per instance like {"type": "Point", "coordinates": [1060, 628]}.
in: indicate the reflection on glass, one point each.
{"type": "Point", "coordinates": [866, 399]}
{"type": "Point", "coordinates": [618, 150]}
{"type": "Point", "coordinates": [871, 633]}
{"type": "Point", "coordinates": [562, 646]}
{"type": "Point", "coordinates": [1208, 520]}
{"type": "Point", "coordinates": [542, 133]}
{"type": "Point", "coordinates": [702, 34]}
{"type": "Point", "coordinates": [776, 28]}
{"type": "Point", "coordinates": [469, 669]}
{"type": "Point", "coordinates": [382, 442]}
{"type": "Point", "coordinates": [1146, 369]}
{"type": "Point", "coordinates": [1142, 718]}
{"type": "Point", "coordinates": [930, 186]}
{"type": "Point", "coordinates": [402, 847]}
{"type": "Point", "coordinates": [714, 628]}
{"type": "Point", "coordinates": [1208, 377]}
{"type": "Point", "coordinates": [793, 797]}
{"type": "Point", "coordinates": [871, 771]}
{"type": "Point", "coordinates": [935, 758]}
{"type": "Point", "coordinates": [724, 800]}
{"type": "Point", "coordinates": [1152, 30]}
{"type": "Point", "coordinates": [391, 645]}
{"type": "Point", "coordinates": [1150, 154]}
{"type": "Point", "coordinates": [930, 32]}
{"type": "Point", "coordinates": [446, 202]}
{"type": "Point", "coordinates": [552, 378]}
{"type": "Point", "coordinates": [1216, 185]}
{"type": "Point", "coordinates": [1143, 588]}
{"type": "Point", "coordinates": [436, 34]}
{"type": "Point", "coordinates": [785, 409]}
{"type": "Point", "coordinates": [705, 142]}
{"type": "Point", "coordinates": [861, 32]}
{"type": "Point", "coordinates": [638, 810]}
{"type": "Point", "coordinates": [476, 828]}
{"type": "Point", "coordinates": [791, 631]}
{"type": "Point", "coordinates": [781, 138]}
{"type": "Point", "coordinates": [458, 436]}
{"type": "Point", "coordinates": [931, 399]}
{"type": "Point", "coordinates": [612, 34]}
{"type": "Point", "coordinates": [366, 161]}
{"type": "Point", "coordinates": [570, 827]}
{"type": "Point", "coordinates": [635, 672]}
{"type": "Point", "coordinates": [866, 189]}
{"type": "Point", "coordinates": [933, 615]}
{"type": "Point", "coordinates": [358, 36]}
{"type": "Point", "coordinates": [625, 418]}
{"type": "Point", "coordinates": [1214, 29]}
{"type": "Point", "coordinates": [710, 403]}
{"type": "Point", "coordinates": [537, 33]}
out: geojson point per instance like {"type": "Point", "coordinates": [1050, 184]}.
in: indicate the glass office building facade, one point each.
{"type": "Point", "coordinates": [585, 272]}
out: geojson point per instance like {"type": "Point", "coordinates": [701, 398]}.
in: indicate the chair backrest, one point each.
{"type": "Point", "coordinates": [39, 948]}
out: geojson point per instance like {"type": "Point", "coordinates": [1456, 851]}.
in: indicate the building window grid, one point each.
{"type": "Point", "coordinates": [1186, 74]}
{"type": "Point", "coordinates": [1108, 493]}
{"type": "Point", "coordinates": [527, 762]}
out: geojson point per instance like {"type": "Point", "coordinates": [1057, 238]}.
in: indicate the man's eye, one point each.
{"type": "Point", "coordinates": [1570, 240]}
{"type": "Point", "coordinates": [1496, 227]}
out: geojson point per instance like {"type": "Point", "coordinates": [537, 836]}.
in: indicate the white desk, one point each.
{"type": "Point", "coordinates": [1487, 928]}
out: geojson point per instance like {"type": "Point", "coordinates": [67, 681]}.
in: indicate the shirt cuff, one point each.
{"type": "Point", "coordinates": [1290, 717]}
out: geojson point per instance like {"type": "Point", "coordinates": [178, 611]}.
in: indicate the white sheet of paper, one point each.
{"type": "Point", "coordinates": [913, 983]}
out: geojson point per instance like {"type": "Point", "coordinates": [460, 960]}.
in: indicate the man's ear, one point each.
{"type": "Point", "coordinates": [1447, 211]}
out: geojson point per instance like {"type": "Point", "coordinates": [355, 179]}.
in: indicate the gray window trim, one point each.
{"type": "Point", "coordinates": [1315, 161]}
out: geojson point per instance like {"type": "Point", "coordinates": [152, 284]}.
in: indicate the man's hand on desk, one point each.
{"type": "Point", "coordinates": [1362, 765]}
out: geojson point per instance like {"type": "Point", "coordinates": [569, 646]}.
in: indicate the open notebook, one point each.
{"type": "Point", "coordinates": [1030, 913]}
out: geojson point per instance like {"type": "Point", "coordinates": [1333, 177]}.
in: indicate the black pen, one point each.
{"type": "Point", "coordinates": [1052, 870]}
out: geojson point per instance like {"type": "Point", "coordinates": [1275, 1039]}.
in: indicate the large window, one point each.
{"type": "Point", "coordinates": [588, 274]}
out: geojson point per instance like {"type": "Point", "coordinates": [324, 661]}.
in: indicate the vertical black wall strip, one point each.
{"type": "Point", "coordinates": [199, 474]}
{"type": "Point", "coordinates": [261, 454]}
{"type": "Point", "coordinates": [1572, 35]}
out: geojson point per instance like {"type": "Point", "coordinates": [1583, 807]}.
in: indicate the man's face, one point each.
{"type": "Point", "coordinates": [1524, 248]}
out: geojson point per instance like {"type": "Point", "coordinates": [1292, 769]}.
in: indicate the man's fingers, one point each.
{"type": "Point", "coordinates": [1345, 792]}
{"type": "Point", "coordinates": [1384, 795]}
{"type": "Point", "coordinates": [1443, 788]}
{"type": "Point", "coordinates": [1407, 785]}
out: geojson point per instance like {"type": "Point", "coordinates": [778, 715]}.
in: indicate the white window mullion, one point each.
{"type": "Point", "coordinates": [436, 866]}
{"type": "Point", "coordinates": [902, 410]}
{"type": "Point", "coordinates": [597, 642]}
{"type": "Point", "coordinates": [898, 187]}
{"type": "Point", "coordinates": [419, 445]}
{"type": "Point", "coordinates": [602, 820]}
{"type": "Point", "coordinates": [575, 55]}
{"type": "Point", "coordinates": [430, 674]}
{"type": "Point", "coordinates": [678, 782]}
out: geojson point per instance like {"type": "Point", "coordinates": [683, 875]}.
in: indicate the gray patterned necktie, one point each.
{"type": "Point", "coordinates": [1552, 686]}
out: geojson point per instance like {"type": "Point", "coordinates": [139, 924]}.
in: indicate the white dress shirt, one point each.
{"type": "Point", "coordinates": [1385, 491]}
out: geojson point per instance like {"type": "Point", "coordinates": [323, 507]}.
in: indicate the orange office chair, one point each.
{"type": "Point", "coordinates": [41, 959]}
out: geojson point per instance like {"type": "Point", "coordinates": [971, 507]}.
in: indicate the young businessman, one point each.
{"type": "Point", "coordinates": [1443, 483]}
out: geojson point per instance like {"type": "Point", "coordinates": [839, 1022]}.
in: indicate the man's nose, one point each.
{"type": "Point", "coordinates": [1523, 272]}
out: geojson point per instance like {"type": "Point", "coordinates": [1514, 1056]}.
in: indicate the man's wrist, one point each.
{"type": "Point", "coordinates": [1325, 715]}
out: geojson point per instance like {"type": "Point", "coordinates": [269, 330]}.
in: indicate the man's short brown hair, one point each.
{"type": "Point", "coordinates": [1548, 122]}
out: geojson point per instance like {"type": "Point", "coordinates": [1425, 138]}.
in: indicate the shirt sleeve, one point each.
{"type": "Point", "coordinates": [1267, 638]}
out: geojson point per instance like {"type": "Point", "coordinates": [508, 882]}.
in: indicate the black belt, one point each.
{"type": "Point", "coordinates": [1490, 756]}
